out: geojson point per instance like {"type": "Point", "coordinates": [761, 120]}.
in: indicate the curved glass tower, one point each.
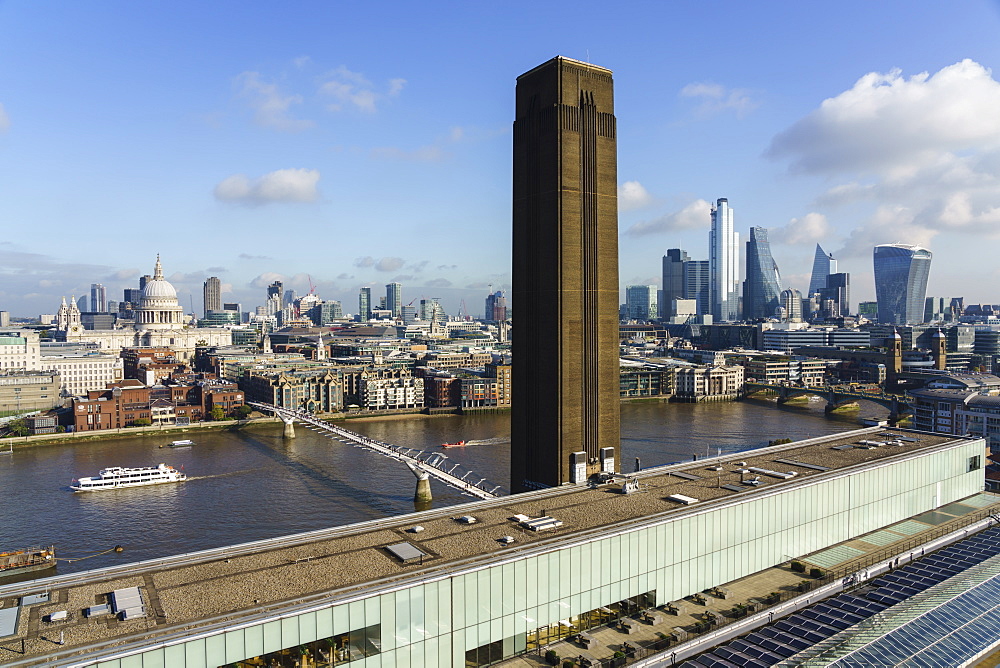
{"type": "Point", "coordinates": [760, 290]}
{"type": "Point", "coordinates": [901, 274]}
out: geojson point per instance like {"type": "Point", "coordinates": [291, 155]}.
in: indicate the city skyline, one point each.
{"type": "Point", "coordinates": [344, 125]}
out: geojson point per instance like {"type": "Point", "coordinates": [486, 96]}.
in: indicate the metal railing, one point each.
{"type": "Point", "coordinates": [435, 464]}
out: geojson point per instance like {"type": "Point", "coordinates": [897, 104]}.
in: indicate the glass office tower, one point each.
{"type": "Point", "coordinates": [901, 274]}
{"type": "Point", "coordinates": [760, 290]}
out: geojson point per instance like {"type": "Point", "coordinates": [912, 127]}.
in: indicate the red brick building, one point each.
{"type": "Point", "coordinates": [189, 398]}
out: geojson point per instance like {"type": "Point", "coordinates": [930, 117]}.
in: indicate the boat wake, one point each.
{"type": "Point", "coordinates": [220, 475]}
{"type": "Point", "coordinates": [488, 441]}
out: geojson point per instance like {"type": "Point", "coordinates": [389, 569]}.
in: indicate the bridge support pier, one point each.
{"type": "Point", "coordinates": [289, 431]}
{"type": "Point", "coordinates": [423, 493]}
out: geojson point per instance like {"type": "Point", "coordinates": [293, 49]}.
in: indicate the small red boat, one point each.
{"type": "Point", "coordinates": [453, 445]}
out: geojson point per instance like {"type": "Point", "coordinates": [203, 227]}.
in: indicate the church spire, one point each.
{"type": "Point", "coordinates": [158, 271]}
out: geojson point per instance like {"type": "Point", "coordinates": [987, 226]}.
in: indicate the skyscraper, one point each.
{"type": "Point", "coordinates": [496, 307]}
{"type": "Point", "coordinates": [823, 266]}
{"type": "Point", "coordinates": [724, 264]}
{"type": "Point", "coordinates": [394, 298]}
{"type": "Point", "coordinates": [276, 290]}
{"type": "Point", "coordinates": [565, 413]}
{"type": "Point", "coordinates": [673, 281]}
{"type": "Point", "coordinates": [640, 302]}
{"type": "Point", "coordinates": [901, 274]}
{"type": "Point", "coordinates": [791, 304]}
{"type": "Point", "coordinates": [98, 298]}
{"type": "Point", "coordinates": [697, 283]}
{"type": "Point", "coordinates": [760, 289]}
{"type": "Point", "coordinates": [212, 293]}
{"type": "Point", "coordinates": [365, 304]}
{"type": "Point", "coordinates": [837, 290]}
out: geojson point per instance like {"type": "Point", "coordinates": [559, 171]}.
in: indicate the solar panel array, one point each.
{"type": "Point", "coordinates": [788, 636]}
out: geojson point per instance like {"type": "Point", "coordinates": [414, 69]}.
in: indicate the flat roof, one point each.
{"type": "Point", "coordinates": [570, 61]}
{"type": "Point", "coordinates": [249, 581]}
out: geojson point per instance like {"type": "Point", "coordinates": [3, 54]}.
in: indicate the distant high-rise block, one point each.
{"type": "Point", "coordinates": [697, 283]}
{"type": "Point", "coordinates": [724, 264]}
{"type": "Point", "coordinates": [640, 302]}
{"type": "Point", "coordinates": [98, 298]}
{"type": "Point", "coordinates": [838, 291]}
{"type": "Point", "coordinates": [212, 294]}
{"type": "Point", "coordinates": [276, 290]}
{"type": "Point", "coordinates": [365, 304]}
{"type": "Point", "coordinates": [673, 281]}
{"type": "Point", "coordinates": [394, 299]}
{"type": "Point", "coordinates": [901, 272]}
{"type": "Point", "coordinates": [496, 307]}
{"type": "Point", "coordinates": [791, 304]}
{"type": "Point", "coordinates": [565, 419]}
{"type": "Point", "coordinates": [760, 289]}
{"type": "Point", "coordinates": [823, 266]}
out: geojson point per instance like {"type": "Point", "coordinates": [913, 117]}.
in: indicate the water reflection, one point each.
{"type": "Point", "coordinates": [253, 484]}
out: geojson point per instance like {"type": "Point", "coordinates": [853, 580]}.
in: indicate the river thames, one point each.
{"type": "Point", "coordinates": [253, 484]}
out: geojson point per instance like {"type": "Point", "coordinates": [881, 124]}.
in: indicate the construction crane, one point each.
{"type": "Point", "coordinates": [312, 286]}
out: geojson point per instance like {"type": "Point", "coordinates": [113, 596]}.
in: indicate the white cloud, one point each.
{"type": "Point", "coordinates": [389, 264]}
{"type": "Point", "coordinates": [696, 215]}
{"type": "Point", "coordinates": [4, 119]}
{"type": "Point", "coordinates": [283, 185]}
{"type": "Point", "coordinates": [396, 86]}
{"type": "Point", "coordinates": [632, 195]}
{"type": "Point", "coordinates": [714, 98]}
{"type": "Point", "coordinates": [262, 281]}
{"type": "Point", "coordinates": [271, 107]}
{"type": "Point", "coordinates": [350, 89]}
{"type": "Point", "coordinates": [891, 125]}
{"type": "Point", "coordinates": [918, 154]}
{"type": "Point", "coordinates": [809, 229]}
{"type": "Point", "coordinates": [366, 261]}
{"type": "Point", "coordinates": [438, 283]}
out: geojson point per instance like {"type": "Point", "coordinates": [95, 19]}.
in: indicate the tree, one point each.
{"type": "Point", "coordinates": [142, 422]}
{"type": "Point", "coordinates": [217, 413]}
{"type": "Point", "coordinates": [244, 411]}
{"type": "Point", "coordinates": [18, 427]}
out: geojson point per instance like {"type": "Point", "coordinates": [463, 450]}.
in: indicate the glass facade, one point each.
{"type": "Point", "coordinates": [760, 290]}
{"type": "Point", "coordinates": [507, 602]}
{"type": "Point", "coordinates": [724, 263]}
{"type": "Point", "coordinates": [901, 282]}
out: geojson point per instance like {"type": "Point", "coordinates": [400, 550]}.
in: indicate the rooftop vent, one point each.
{"type": "Point", "coordinates": [680, 498]}
{"type": "Point", "coordinates": [541, 523]}
{"type": "Point", "coordinates": [466, 519]}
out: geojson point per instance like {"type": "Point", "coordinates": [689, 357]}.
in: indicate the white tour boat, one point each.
{"type": "Point", "coordinates": [119, 476]}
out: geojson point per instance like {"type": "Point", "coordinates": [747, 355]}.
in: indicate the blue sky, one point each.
{"type": "Point", "coordinates": [364, 143]}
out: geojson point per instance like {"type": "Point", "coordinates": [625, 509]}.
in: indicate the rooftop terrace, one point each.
{"type": "Point", "coordinates": [249, 582]}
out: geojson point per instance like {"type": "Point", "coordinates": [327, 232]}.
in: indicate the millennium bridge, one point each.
{"type": "Point", "coordinates": [424, 465]}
